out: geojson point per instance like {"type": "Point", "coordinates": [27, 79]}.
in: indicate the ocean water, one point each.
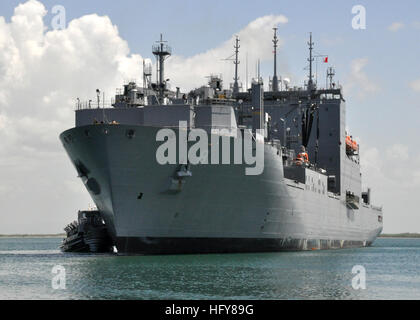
{"type": "Point", "coordinates": [391, 272]}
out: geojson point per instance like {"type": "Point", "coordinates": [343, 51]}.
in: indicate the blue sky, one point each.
{"type": "Point", "coordinates": [383, 110]}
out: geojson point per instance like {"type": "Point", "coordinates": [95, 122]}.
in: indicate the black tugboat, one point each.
{"type": "Point", "coordinates": [88, 234]}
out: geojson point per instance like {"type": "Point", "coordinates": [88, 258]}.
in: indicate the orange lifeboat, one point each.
{"type": "Point", "coordinates": [354, 145]}
{"type": "Point", "coordinates": [351, 145]}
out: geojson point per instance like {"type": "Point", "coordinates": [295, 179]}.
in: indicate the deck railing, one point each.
{"type": "Point", "coordinates": [93, 104]}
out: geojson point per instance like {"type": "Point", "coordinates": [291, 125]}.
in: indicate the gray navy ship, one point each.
{"type": "Point", "coordinates": [308, 196]}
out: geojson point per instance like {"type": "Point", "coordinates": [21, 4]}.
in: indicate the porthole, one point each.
{"type": "Point", "coordinates": [130, 133]}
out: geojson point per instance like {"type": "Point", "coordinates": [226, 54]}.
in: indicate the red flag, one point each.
{"type": "Point", "coordinates": [326, 59]}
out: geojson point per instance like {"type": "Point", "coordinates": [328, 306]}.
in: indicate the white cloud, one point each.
{"type": "Point", "coordinates": [393, 173]}
{"type": "Point", "coordinates": [358, 81]}
{"type": "Point", "coordinates": [395, 26]}
{"type": "Point", "coordinates": [331, 41]}
{"type": "Point", "coordinates": [255, 39]}
{"type": "Point", "coordinates": [398, 152]}
{"type": "Point", "coordinates": [415, 85]}
{"type": "Point", "coordinates": [41, 74]}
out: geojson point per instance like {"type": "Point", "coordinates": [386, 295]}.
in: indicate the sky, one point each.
{"type": "Point", "coordinates": [43, 70]}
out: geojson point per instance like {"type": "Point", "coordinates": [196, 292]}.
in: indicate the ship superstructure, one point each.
{"type": "Point", "coordinates": [199, 208]}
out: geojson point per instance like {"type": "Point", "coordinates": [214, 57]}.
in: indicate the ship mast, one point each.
{"type": "Point", "coordinates": [275, 80]}
{"type": "Point", "coordinates": [311, 59]}
{"type": "Point", "coordinates": [236, 62]}
{"type": "Point", "coordinates": [161, 51]}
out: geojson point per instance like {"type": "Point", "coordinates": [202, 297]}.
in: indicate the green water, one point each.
{"type": "Point", "coordinates": [392, 272]}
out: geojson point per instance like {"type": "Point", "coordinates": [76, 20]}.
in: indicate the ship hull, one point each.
{"type": "Point", "coordinates": [139, 245]}
{"type": "Point", "coordinates": [217, 209]}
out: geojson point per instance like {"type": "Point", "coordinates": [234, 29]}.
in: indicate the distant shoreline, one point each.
{"type": "Point", "coordinates": [399, 235]}
{"type": "Point", "coordinates": [61, 235]}
{"type": "Point", "coordinates": [55, 235]}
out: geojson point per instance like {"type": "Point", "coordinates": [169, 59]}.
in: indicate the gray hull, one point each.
{"type": "Point", "coordinates": [218, 208]}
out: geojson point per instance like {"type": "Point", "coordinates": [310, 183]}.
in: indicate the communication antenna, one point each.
{"type": "Point", "coordinates": [235, 58]}
{"type": "Point", "coordinates": [275, 79]}
{"type": "Point", "coordinates": [144, 75]}
{"type": "Point", "coordinates": [246, 72]}
{"type": "Point", "coordinates": [98, 97]}
{"type": "Point", "coordinates": [325, 57]}
{"type": "Point", "coordinates": [147, 74]}
{"type": "Point", "coordinates": [311, 59]}
{"type": "Point", "coordinates": [330, 76]}
{"type": "Point", "coordinates": [258, 70]}
{"type": "Point", "coordinates": [236, 62]}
